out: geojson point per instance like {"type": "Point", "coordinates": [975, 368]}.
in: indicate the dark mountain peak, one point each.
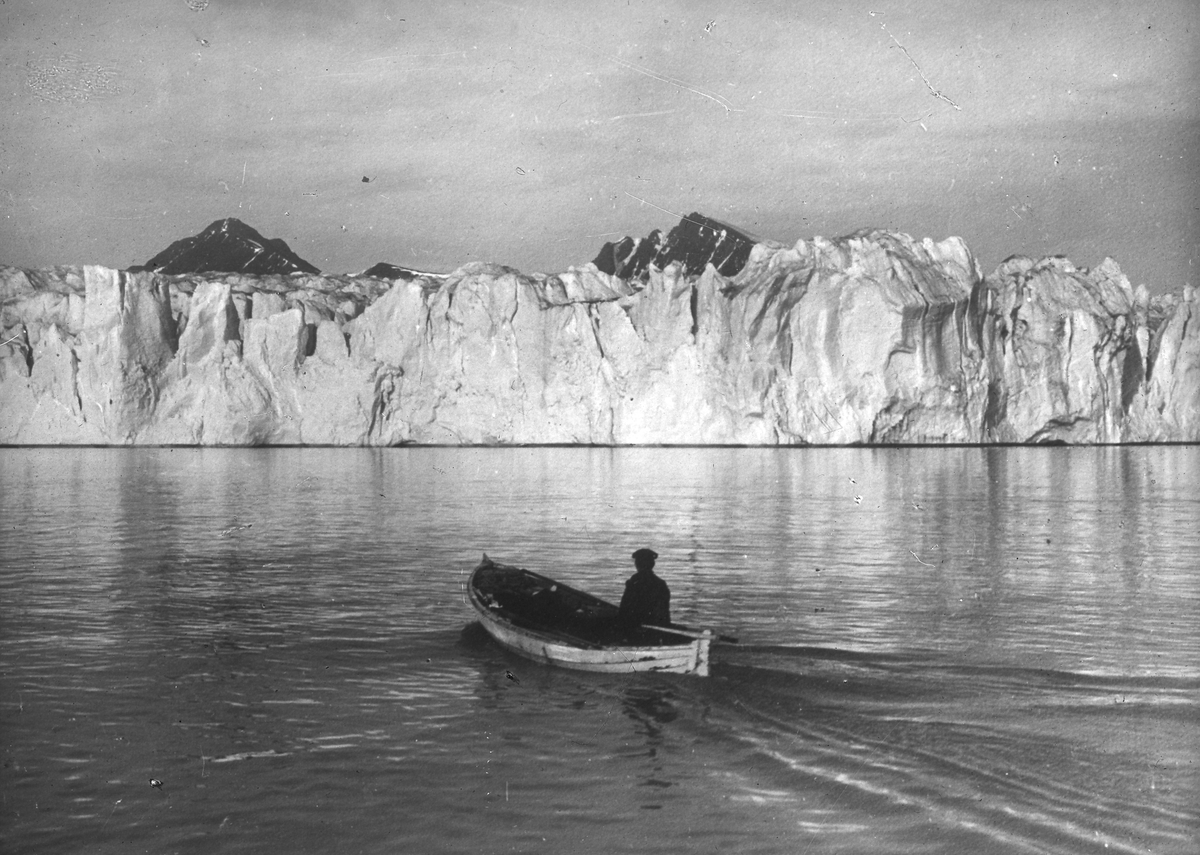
{"type": "Point", "coordinates": [696, 242]}
{"type": "Point", "coordinates": [228, 246]}
{"type": "Point", "coordinates": [383, 270]}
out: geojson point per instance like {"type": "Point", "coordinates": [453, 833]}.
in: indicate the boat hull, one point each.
{"type": "Point", "coordinates": [555, 648]}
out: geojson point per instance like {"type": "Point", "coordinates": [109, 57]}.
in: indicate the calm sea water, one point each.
{"type": "Point", "coordinates": [942, 650]}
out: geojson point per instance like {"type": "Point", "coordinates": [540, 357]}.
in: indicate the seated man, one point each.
{"type": "Point", "coordinates": [647, 598]}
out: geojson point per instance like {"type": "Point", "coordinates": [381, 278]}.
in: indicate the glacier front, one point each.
{"type": "Point", "coordinates": [873, 338]}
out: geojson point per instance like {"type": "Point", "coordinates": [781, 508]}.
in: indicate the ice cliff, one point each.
{"type": "Point", "coordinates": [702, 336]}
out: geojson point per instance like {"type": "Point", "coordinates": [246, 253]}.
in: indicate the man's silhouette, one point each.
{"type": "Point", "coordinates": [647, 598]}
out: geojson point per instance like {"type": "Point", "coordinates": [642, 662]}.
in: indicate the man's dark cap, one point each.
{"type": "Point", "coordinates": [642, 554]}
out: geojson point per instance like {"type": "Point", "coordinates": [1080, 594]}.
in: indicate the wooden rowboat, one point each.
{"type": "Point", "coordinates": [547, 621]}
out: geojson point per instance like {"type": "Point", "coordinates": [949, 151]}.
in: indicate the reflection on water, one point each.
{"type": "Point", "coordinates": [950, 649]}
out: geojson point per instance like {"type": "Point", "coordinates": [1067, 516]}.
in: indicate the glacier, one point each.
{"type": "Point", "coordinates": [704, 336]}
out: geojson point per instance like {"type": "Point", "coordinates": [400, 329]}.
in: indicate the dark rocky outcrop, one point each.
{"type": "Point", "coordinates": [392, 272]}
{"type": "Point", "coordinates": [695, 243]}
{"type": "Point", "coordinates": [227, 246]}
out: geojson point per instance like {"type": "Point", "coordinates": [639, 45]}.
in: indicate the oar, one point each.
{"type": "Point", "coordinates": [692, 633]}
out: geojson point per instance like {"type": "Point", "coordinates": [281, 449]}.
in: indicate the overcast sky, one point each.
{"type": "Point", "coordinates": [528, 133]}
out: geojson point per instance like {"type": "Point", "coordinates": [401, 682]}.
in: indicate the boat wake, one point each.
{"type": "Point", "coordinates": [1011, 759]}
